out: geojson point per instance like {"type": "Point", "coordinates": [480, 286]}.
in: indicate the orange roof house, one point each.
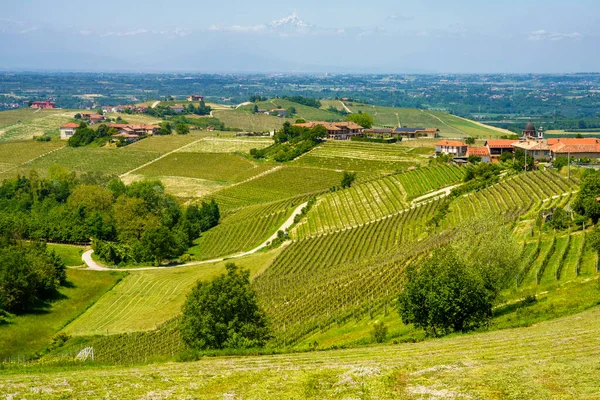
{"type": "Point", "coordinates": [451, 147]}
{"type": "Point", "coordinates": [336, 130]}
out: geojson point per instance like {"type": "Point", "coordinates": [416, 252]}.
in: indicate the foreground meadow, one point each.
{"type": "Point", "coordinates": [556, 359]}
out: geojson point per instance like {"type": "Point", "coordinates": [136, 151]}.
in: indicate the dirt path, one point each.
{"type": "Point", "coordinates": [155, 104]}
{"type": "Point", "coordinates": [95, 266]}
{"type": "Point", "coordinates": [346, 107]}
{"type": "Point", "coordinates": [161, 157]}
{"type": "Point", "coordinates": [444, 191]}
{"type": "Point", "coordinates": [243, 104]}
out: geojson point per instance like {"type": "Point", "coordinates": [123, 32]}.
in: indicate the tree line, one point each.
{"type": "Point", "coordinates": [132, 223]}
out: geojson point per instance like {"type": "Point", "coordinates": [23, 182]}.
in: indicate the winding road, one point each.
{"type": "Point", "coordinates": [95, 266]}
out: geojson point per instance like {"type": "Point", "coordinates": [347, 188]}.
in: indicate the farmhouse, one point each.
{"type": "Point", "coordinates": [451, 147]}
{"type": "Point", "coordinates": [574, 147]}
{"type": "Point", "coordinates": [537, 149]}
{"type": "Point", "coordinates": [336, 130]}
{"type": "Point", "coordinates": [416, 132]}
{"type": "Point", "coordinates": [481, 152]}
{"type": "Point", "coordinates": [68, 130]}
{"type": "Point", "coordinates": [280, 112]}
{"type": "Point", "coordinates": [176, 109]}
{"type": "Point", "coordinates": [135, 129]}
{"type": "Point", "coordinates": [92, 118]}
{"type": "Point", "coordinates": [43, 104]}
{"type": "Point", "coordinates": [499, 146]}
{"type": "Point", "coordinates": [194, 97]}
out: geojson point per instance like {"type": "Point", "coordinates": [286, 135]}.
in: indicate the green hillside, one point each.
{"type": "Point", "coordinates": [554, 359]}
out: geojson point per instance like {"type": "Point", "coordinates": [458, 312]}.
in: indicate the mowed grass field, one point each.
{"type": "Point", "coordinates": [248, 121]}
{"type": "Point", "coordinates": [23, 124]}
{"type": "Point", "coordinates": [449, 125]}
{"type": "Point", "coordinates": [145, 299]}
{"type": "Point", "coordinates": [14, 154]}
{"type": "Point", "coordinates": [32, 332]}
{"type": "Point", "coordinates": [549, 360]}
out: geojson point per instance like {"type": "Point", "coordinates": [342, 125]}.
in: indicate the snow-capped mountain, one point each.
{"type": "Point", "coordinates": [290, 23]}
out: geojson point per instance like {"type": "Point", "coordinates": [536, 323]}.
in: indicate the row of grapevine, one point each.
{"type": "Point", "coordinates": [423, 180]}
{"type": "Point", "coordinates": [372, 200]}
{"type": "Point", "coordinates": [351, 245]}
{"type": "Point", "coordinates": [523, 193]}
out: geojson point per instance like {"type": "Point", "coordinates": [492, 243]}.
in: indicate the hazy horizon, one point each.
{"type": "Point", "coordinates": [432, 37]}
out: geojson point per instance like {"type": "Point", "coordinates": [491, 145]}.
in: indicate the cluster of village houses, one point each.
{"type": "Point", "coordinates": [532, 143]}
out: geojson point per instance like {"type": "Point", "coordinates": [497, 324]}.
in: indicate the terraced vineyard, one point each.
{"type": "Point", "coordinates": [373, 200]}
{"type": "Point", "coordinates": [523, 193]}
{"type": "Point", "coordinates": [363, 157]}
{"type": "Point", "coordinates": [243, 230]}
{"type": "Point", "coordinates": [423, 180]}
{"type": "Point", "coordinates": [283, 183]}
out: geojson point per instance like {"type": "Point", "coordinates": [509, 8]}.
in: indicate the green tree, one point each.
{"type": "Point", "coordinates": [165, 128]}
{"type": "Point", "coordinates": [161, 243]}
{"type": "Point", "coordinates": [362, 119]}
{"type": "Point", "coordinates": [347, 179]}
{"type": "Point", "coordinates": [506, 156]}
{"type": "Point", "coordinates": [182, 129]}
{"type": "Point", "coordinates": [255, 109]}
{"type": "Point", "coordinates": [470, 140]}
{"type": "Point", "coordinates": [455, 289]}
{"type": "Point", "coordinates": [224, 313]}
{"type": "Point", "coordinates": [560, 162]}
{"type": "Point", "coordinates": [585, 203]}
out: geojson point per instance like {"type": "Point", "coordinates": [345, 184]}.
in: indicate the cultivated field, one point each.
{"type": "Point", "coordinates": [145, 299]}
{"type": "Point", "coordinates": [247, 121]}
{"type": "Point", "coordinates": [554, 359]}
{"type": "Point", "coordinates": [24, 124]}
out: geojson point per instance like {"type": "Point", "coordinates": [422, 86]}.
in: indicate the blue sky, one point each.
{"type": "Point", "coordinates": [462, 36]}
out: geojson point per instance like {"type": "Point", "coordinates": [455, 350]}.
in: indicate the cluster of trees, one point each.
{"type": "Point", "coordinates": [456, 288]}
{"type": "Point", "coordinates": [255, 98]}
{"type": "Point", "coordinates": [478, 176]}
{"type": "Point", "coordinates": [127, 223]}
{"type": "Point", "coordinates": [224, 313]}
{"type": "Point", "coordinates": [162, 111]}
{"type": "Point", "coordinates": [517, 161]}
{"type": "Point", "coordinates": [585, 203]}
{"type": "Point", "coordinates": [30, 273]}
{"type": "Point", "coordinates": [85, 135]}
{"type": "Point", "coordinates": [291, 142]}
{"type": "Point", "coordinates": [363, 119]}
{"type": "Point", "coordinates": [305, 101]}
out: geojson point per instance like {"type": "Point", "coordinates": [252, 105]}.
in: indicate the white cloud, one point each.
{"type": "Point", "coordinates": [237, 28]}
{"type": "Point", "coordinates": [554, 36]}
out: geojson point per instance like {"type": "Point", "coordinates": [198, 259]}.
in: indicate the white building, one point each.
{"type": "Point", "coordinates": [68, 130]}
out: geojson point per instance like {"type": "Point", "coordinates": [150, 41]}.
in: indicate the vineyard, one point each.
{"type": "Point", "coordinates": [373, 200]}
{"type": "Point", "coordinates": [363, 157]}
{"type": "Point", "coordinates": [243, 230]}
{"type": "Point", "coordinates": [280, 184]}
{"type": "Point", "coordinates": [520, 194]}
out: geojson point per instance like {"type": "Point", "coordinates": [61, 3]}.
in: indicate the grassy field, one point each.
{"type": "Point", "coordinates": [89, 159]}
{"type": "Point", "coordinates": [23, 124]}
{"type": "Point", "coordinates": [229, 145]}
{"type": "Point", "coordinates": [247, 121]}
{"type": "Point", "coordinates": [221, 167]}
{"type": "Point", "coordinates": [145, 299]}
{"type": "Point", "coordinates": [135, 118]}
{"type": "Point", "coordinates": [30, 333]}
{"type": "Point", "coordinates": [302, 111]}
{"type": "Point", "coordinates": [178, 186]}
{"type": "Point", "coordinates": [71, 255]}
{"type": "Point", "coordinates": [13, 154]}
{"type": "Point", "coordinates": [550, 360]}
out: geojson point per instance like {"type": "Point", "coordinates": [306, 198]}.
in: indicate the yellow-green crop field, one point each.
{"type": "Point", "coordinates": [549, 360]}
{"type": "Point", "coordinates": [24, 124]}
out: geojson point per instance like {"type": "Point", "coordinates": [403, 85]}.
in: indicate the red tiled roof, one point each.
{"type": "Point", "coordinates": [478, 151]}
{"type": "Point", "coordinates": [573, 141]}
{"type": "Point", "coordinates": [500, 143]}
{"type": "Point", "coordinates": [564, 148]}
{"type": "Point", "coordinates": [452, 143]}
{"type": "Point", "coordinates": [70, 125]}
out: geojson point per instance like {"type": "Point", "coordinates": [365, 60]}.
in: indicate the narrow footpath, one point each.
{"type": "Point", "coordinates": [95, 266]}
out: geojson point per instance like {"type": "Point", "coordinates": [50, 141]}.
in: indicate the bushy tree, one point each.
{"type": "Point", "coordinates": [347, 179]}
{"type": "Point", "coordinates": [224, 313]}
{"type": "Point", "coordinates": [455, 289]}
{"type": "Point", "coordinates": [363, 119]}
{"type": "Point", "coordinates": [585, 203]}
{"type": "Point", "coordinates": [560, 162]}
{"type": "Point", "coordinates": [182, 129]}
